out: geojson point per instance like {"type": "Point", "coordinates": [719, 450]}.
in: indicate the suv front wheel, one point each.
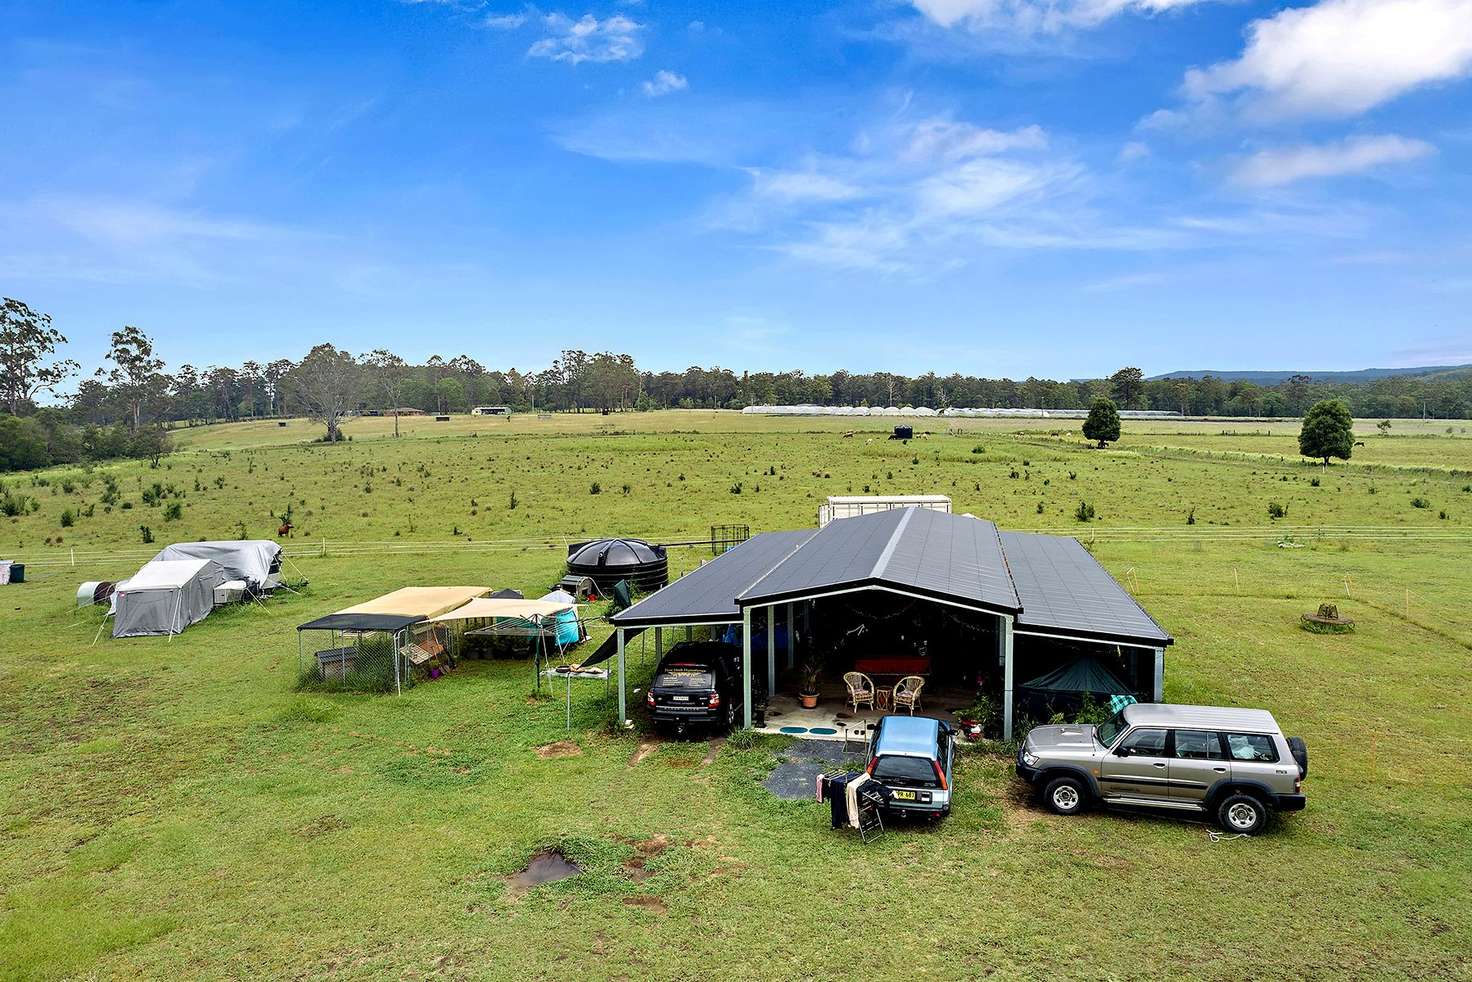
{"type": "Point", "coordinates": [1242, 813]}
{"type": "Point", "coordinates": [1066, 795]}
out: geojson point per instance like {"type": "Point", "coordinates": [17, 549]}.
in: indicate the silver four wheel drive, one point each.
{"type": "Point", "coordinates": [1234, 765]}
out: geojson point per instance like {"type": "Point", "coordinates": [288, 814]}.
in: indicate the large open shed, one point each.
{"type": "Point", "coordinates": [979, 603]}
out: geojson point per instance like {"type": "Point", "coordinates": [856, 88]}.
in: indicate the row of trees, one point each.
{"type": "Point", "coordinates": [115, 410]}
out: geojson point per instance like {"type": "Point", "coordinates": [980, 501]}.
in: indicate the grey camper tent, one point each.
{"type": "Point", "coordinates": [255, 562]}
{"type": "Point", "coordinates": [165, 597]}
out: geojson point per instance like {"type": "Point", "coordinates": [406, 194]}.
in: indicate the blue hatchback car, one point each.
{"type": "Point", "coordinates": [912, 757]}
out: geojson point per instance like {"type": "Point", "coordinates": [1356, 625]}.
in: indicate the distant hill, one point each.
{"type": "Point", "coordinates": [1362, 375]}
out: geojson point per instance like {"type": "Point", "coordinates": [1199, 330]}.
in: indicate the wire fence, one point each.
{"type": "Point", "coordinates": [325, 548]}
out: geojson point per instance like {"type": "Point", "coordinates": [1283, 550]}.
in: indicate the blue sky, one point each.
{"type": "Point", "coordinates": [999, 187]}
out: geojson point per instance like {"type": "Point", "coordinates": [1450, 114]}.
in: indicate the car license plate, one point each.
{"type": "Point", "coordinates": [905, 796]}
{"type": "Point", "coordinates": [679, 698]}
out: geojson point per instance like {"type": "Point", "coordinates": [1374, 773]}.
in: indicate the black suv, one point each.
{"type": "Point", "coordinates": [699, 683]}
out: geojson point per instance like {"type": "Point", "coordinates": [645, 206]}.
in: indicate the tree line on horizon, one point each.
{"type": "Point", "coordinates": [125, 406]}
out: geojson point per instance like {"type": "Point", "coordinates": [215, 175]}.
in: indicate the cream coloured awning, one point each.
{"type": "Point", "coordinates": [487, 608]}
{"type": "Point", "coordinates": [419, 601]}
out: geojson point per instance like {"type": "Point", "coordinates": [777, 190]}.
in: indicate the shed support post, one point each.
{"type": "Point", "coordinates": [791, 640]}
{"type": "Point", "coordinates": [623, 715]}
{"type": "Point", "coordinates": [746, 668]}
{"type": "Point", "coordinates": [658, 643]}
{"type": "Point", "coordinates": [771, 650]}
{"type": "Point", "coordinates": [1008, 673]}
{"type": "Point", "coordinates": [689, 633]}
{"type": "Point", "coordinates": [1159, 675]}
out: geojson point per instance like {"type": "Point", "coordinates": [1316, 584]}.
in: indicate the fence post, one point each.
{"type": "Point", "coordinates": [74, 557]}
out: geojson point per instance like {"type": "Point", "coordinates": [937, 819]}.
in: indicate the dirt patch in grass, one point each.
{"type": "Point", "coordinates": [562, 748]}
{"type": "Point", "coordinates": [714, 748]}
{"type": "Point", "coordinates": [646, 902]}
{"type": "Point", "coordinates": [637, 865]}
{"type": "Point", "coordinates": [321, 826]}
{"type": "Point", "coordinates": [645, 748]}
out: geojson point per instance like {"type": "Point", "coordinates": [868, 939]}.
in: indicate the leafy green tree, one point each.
{"type": "Point", "coordinates": [135, 376]}
{"type": "Point", "coordinates": [1103, 422]}
{"type": "Point", "coordinates": [1328, 431]}
{"type": "Point", "coordinates": [1128, 385]}
{"type": "Point", "coordinates": [450, 392]}
{"type": "Point", "coordinates": [27, 340]}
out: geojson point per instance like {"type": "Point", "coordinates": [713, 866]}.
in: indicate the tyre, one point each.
{"type": "Point", "coordinates": [1242, 813]}
{"type": "Point", "coordinates": [1066, 795]}
{"type": "Point", "coordinates": [730, 715]}
{"type": "Point", "coordinates": [1299, 749]}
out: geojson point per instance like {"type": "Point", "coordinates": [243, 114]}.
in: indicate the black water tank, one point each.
{"type": "Point", "coordinates": [606, 561]}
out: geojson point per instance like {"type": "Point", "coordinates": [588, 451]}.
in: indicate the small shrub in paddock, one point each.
{"type": "Point", "coordinates": [595, 488]}
{"type": "Point", "coordinates": [173, 511]}
{"type": "Point", "coordinates": [1419, 502]}
{"type": "Point", "coordinates": [1084, 512]}
{"type": "Point", "coordinates": [1313, 482]}
{"type": "Point", "coordinates": [1191, 517]}
{"type": "Point", "coordinates": [68, 519]}
{"type": "Point", "coordinates": [146, 532]}
{"type": "Point", "coordinates": [1277, 510]}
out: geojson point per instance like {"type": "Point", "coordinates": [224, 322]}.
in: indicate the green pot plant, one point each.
{"type": "Point", "coordinates": [807, 693]}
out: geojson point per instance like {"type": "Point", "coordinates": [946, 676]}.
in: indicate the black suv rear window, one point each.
{"type": "Point", "coordinates": [906, 772]}
{"type": "Point", "coordinates": [685, 677]}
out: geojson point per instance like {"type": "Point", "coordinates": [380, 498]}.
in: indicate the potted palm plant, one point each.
{"type": "Point", "coordinates": [807, 693]}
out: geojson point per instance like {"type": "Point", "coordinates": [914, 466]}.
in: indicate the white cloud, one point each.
{"type": "Point", "coordinates": [910, 195]}
{"type": "Point", "coordinates": [613, 38]}
{"type": "Point", "coordinates": [1355, 155]}
{"type": "Point", "coordinates": [663, 83]}
{"type": "Point", "coordinates": [1132, 151]}
{"type": "Point", "coordinates": [1342, 57]}
{"type": "Point", "coordinates": [1037, 16]}
{"type": "Point", "coordinates": [504, 22]}
{"type": "Point", "coordinates": [803, 185]}
{"type": "Point", "coordinates": [947, 140]}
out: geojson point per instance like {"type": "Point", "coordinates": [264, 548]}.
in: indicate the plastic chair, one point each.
{"type": "Point", "coordinates": [907, 693]}
{"type": "Point", "coordinates": [860, 689]}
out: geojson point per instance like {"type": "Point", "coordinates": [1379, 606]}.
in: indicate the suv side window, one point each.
{"type": "Point", "coordinates": [1252, 746]}
{"type": "Point", "coordinates": [1144, 743]}
{"type": "Point", "coordinates": [1199, 745]}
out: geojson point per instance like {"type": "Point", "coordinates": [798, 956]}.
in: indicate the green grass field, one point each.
{"type": "Point", "coordinates": [173, 808]}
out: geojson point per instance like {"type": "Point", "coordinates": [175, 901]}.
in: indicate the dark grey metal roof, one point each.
{"type": "Point", "coordinates": [934, 554]}
{"type": "Point", "coordinates": [708, 594]}
{"type": "Point", "coordinates": [1064, 589]}
{"type": "Point", "coordinates": [1050, 582]}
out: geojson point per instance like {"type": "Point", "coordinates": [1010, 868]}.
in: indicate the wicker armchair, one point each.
{"type": "Point", "coordinates": [907, 693]}
{"type": "Point", "coordinates": [860, 689]}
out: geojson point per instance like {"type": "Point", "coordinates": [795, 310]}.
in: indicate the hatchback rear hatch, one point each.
{"type": "Point", "coordinates": [683, 688]}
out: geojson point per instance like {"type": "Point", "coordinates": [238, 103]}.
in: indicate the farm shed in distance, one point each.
{"type": "Point", "coordinates": [952, 588]}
